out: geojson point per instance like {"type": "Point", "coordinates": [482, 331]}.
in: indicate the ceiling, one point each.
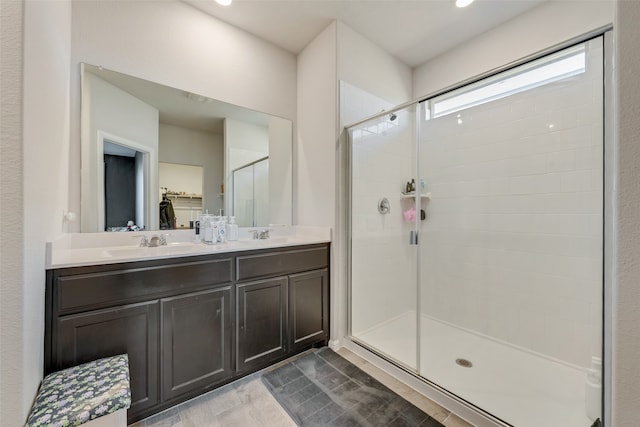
{"type": "Point", "coordinates": [413, 31]}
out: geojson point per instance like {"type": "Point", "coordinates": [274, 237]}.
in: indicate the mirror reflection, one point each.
{"type": "Point", "coordinates": [154, 157]}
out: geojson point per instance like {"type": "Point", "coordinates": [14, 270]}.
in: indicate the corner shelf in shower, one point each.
{"type": "Point", "coordinates": [413, 196]}
{"type": "Point", "coordinates": [184, 196]}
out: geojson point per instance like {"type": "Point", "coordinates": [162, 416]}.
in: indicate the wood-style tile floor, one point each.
{"type": "Point", "coordinates": [248, 403]}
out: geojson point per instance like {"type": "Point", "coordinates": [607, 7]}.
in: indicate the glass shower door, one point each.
{"type": "Point", "coordinates": [383, 311]}
{"type": "Point", "coordinates": [511, 249]}
{"type": "Point", "coordinates": [251, 194]}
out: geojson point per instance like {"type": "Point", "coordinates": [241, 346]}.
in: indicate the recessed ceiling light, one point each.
{"type": "Point", "coordinates": [463, 3]}
{"type": "Point", "coordinates": [228, 2]}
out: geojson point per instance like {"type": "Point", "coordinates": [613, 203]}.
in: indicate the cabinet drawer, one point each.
{"type": "Point", "coordinates": [281, 263]}
{"type": "Point", "coordinates": [108, 288]}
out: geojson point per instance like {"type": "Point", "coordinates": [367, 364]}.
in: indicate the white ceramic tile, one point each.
{"type": "Point", "coordinates": [576, 181]}
{"type": "Point", "coordinates": [562, 161]}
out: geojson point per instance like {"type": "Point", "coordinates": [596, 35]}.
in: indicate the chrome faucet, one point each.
{"type": "Point", "coordinates": [260, 234]}
{"type": "Point", "coordinates": [155, 240]}
{"type": "Point", "coordinates": [158, 240]}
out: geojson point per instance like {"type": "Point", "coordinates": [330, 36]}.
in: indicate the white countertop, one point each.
{"type": "Point", "coordinates": [81, 249]}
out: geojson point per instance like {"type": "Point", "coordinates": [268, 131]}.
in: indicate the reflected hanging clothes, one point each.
{"type": "Point", "coordinates": [167, 215]}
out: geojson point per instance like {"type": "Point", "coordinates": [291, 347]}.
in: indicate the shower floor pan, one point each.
{"type": "Point", "coordinates": [520, 387]}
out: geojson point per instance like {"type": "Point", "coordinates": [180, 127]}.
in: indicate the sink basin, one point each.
{"type": "Point", "coordinates": [170, 249]}
{"type": "Point", "coordinates": [269, 241]}
{"type": "Point", "coordinates": [182, 248]}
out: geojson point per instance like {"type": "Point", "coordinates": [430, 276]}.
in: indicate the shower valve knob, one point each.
{"type": "Point", "coordinates": [383, 206]}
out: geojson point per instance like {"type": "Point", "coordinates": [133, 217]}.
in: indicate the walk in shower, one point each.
{"type": "Point", "coordinates": [476, 233]}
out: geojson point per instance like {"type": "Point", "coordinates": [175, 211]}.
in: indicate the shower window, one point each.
{"type": "Point", "coordinates": [547, 70]}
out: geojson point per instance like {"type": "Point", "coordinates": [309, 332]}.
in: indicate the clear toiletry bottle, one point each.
{"type": "Point", "coordinates": [208, 230]}
{"type": "Point", "coordinates": [222, 225]}
{"type": "Point", "coordinates": [232, 234]}
{"type": "Point", "coordinates": [215, 225]}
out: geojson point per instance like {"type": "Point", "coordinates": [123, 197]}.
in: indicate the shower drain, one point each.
{"type": "Point", "coordinates": [464, 363]}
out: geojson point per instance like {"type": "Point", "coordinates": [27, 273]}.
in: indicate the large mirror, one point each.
{"type": "Point", "coordinates": [153, 157]}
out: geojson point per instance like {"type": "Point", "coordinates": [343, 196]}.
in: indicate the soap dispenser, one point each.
{"type": "Point", "coordinates": [232, 229]}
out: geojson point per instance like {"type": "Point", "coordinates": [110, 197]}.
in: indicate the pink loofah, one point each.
{"type": "Point", "coordinates": [410, 214]}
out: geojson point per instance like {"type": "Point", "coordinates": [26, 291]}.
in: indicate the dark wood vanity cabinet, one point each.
{"type": "Point", "coordinates": [261, 322]}
{"type": "Point", "coordinates": [270, 318]}
{"type": "Point", "coordinates": [196, 341]}
{"type": "Point", "coordinates": [308, 308]}
{"type": "Point", "coordinates": [188, 324]}
{"type": "Point", "coordinates": [131, 329]}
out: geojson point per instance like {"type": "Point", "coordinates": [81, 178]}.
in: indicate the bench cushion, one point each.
{"type": "Point", "coordinates": [73, 396]}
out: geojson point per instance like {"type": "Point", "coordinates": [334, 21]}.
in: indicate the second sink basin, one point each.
{"type": "Point", "coordinates": [269, 241]}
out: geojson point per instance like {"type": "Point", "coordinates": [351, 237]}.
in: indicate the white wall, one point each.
{"type": "Point", "coordinates": [316, 138]}
{"type": "Point", "coordinates": [45, 180]}
{"type": "Point", "coordinates": [14, 395]}
{"type": "Point", "coordinates": [280, 171]}
{"type": "Point", "coordinates": [196, 148]}
{"type": "Point", "coordinates": [181, 178]}
{"type": "Point", "coordinates": [176, 45]}
{"type": "Point", "coordinates": [626, 270]}
{"type": "Point", "coordinates": [365, 65]}
{"type": "Point", "coordinates": [112, 111]}
{"type": "Point", "coordinates": [547, 25]}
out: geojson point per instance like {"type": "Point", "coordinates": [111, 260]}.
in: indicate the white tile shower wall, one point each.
{"type": "Point", "coordinates": [512, 247]}
{"type": "Point", "coordinates": [383, 263]}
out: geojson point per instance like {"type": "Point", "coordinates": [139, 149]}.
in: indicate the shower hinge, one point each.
{"type": "Point", "coordinates": [413, 237]}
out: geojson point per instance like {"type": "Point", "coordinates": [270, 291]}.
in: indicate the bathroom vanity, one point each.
{"type": "Point", "coordinates": [192, 322]}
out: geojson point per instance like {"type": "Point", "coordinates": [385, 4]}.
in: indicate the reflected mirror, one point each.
{"type": "Point", "coordinates": [153, 157]}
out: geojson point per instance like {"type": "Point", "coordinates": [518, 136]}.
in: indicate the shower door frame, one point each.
{"type": "Point", "coordinates": [348, 233]}
{"type": "Point", "coordinates": [436, 392]}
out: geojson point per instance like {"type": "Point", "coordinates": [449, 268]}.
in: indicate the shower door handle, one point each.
{"type": "Point", "coordinates": [413, 237]}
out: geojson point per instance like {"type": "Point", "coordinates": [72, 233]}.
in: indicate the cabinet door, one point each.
{"type": "Point", "coordinates": [261, 322]}
{"type": "Point", "coordinates": [309, 308]}
{"type": "Point", "coordinates": [131, 329]}
{"type": "Point", "coordinates": [196, 341]}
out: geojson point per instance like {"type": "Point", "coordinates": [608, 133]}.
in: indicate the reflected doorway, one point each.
{"type": "Point", "coordinates": [124, 186]}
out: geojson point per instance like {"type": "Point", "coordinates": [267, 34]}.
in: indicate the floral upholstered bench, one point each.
{"type": "Point", "coordinates": [94, 394]}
